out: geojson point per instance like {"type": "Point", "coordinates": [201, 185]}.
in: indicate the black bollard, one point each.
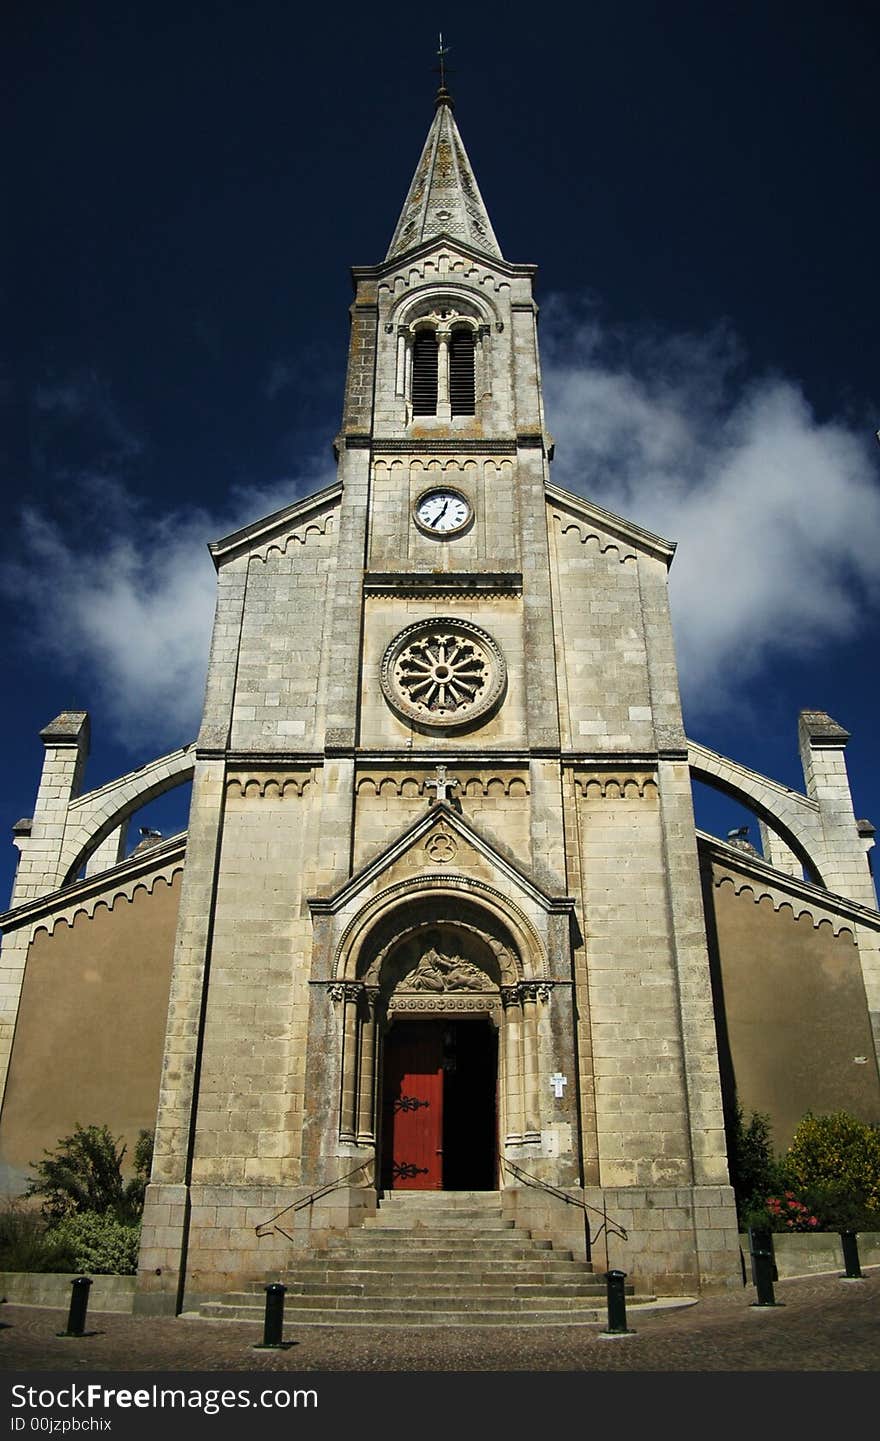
{"type": "Point", "coordinates": [850, 1243]}
{"type": "Point", "coordinates": [274, 1322]}
{"type": "Point", "coordinates": [763, 1267]}
{"type": "Point", "coordinates": [614, 1281]}
{"type": "Point", "coordinates": [79, 1304]}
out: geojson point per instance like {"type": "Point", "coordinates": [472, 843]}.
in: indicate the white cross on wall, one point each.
{"type": "Point", "coordinates": [441, 784]}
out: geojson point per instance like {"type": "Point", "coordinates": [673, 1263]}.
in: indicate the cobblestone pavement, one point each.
{"type": "Point", "coordinates": [824, 1324]}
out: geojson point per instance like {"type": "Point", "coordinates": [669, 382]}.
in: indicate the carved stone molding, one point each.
{"type": "Point", "coordinates": [533, 991]}
{"type": "Point", "coordinates": [487, 785]}
{"type": "Point", "coordinates": [462, 585]}
{"type": "Point", "coordinates": [441, 848]}
{"type": "Point", "coordinates": [620, 784]}
{"type": "Point", "coordinates": [346, 991]}
{"type": "Point", "coordinates": [389, 785]}
{"type": "Point", "coordinates": [781, 902]}
{"type": "Point", "coordinates": [299, 536]}
{"type": "Point", "coordinates": [278, 785]}
{"type": "Point", "coordinates": [455, 896]}
{"type": "Point", "coordinates": [569, 527]}
{"type": "Point", "coordinates": [444, 264]}
{"type": "Point", "coordinates": [495, 785]}
{"type": "Point", "coordinates": [87, 907]}
{"type": "Point", "coordinates": [450, 1004]}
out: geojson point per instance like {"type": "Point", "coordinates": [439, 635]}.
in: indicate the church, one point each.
{"type": "Point", "coordinates": [441, 922]}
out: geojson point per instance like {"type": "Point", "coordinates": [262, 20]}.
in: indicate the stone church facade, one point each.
{"type": "Point", "coordinates": [441, 919]}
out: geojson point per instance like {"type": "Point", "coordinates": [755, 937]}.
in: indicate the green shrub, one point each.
{"type": "Point", "coordinates": [101, 1244]}
{"type": "Point", "coordinates": [834, 1162]}
{"type": "Point", "coordinates": [27, 1245]}
{"type": "Point", "coordinates": [143, 1164]}
{"type": "Point", "coordinates": [84, 1173]}
{"type": "Point", "coordinates": [754, 1169]}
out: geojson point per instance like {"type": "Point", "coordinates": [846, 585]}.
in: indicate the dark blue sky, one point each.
{"type": "Point", "coordinates": [190, 184]}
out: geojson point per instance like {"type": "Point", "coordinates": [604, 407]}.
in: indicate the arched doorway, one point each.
{"type": "Point", "coordinates": [454, 958]}
{"type": "Point", "coordinates": [440, 994]}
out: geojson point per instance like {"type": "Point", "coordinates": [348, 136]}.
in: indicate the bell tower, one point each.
{"type": "Point", "coordinates": [444, 458]}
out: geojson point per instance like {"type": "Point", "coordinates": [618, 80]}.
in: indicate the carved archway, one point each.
{"type": "Point", "coordinates": [438, 957]}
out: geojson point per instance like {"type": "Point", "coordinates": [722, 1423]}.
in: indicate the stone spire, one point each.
{"type": "Point", "coordinates": [444, 198]}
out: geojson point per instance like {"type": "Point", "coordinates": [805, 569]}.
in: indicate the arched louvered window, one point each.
{"type": "Point", "coordinates": [462, 392]}
{"type": "Point", "coordinates": [424, 373]}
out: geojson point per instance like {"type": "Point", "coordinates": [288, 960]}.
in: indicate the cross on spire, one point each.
{"type": "Point", "coordinates": [442, 52]}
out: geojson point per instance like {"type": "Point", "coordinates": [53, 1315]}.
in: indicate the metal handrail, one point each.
{"type": "Point", "coordinates": [266, 1227]}
{"type": "Point", "coordinates": [610, 1227]}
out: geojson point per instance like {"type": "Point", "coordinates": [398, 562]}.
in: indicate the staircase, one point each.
{"type": "Point", "coordinates": [432, 1258]}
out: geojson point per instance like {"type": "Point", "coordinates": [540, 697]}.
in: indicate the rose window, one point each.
{"type": "Point", "coordinates": [443, 673]}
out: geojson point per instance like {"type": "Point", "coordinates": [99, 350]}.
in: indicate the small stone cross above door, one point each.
{"type": "Point", "coordinates": [441, 785]}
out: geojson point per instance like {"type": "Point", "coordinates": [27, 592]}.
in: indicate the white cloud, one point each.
{"type": "Point", "coordinates": [776, 514]}
{"type": "Point", "coordinates": [125, 601]}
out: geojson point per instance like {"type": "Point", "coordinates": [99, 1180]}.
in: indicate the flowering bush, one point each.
{"type": "Point", "coordinates": [787, 1213]}
{"type": "Point", "coordinates": [828, 1180]}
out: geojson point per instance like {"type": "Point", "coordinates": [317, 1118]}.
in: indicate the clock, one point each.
{"type": "Point", "coordinates": [442, 512]}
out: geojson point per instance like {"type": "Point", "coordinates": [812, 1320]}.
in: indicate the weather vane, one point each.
{"type": "Point", "coordinates": [442, 53]}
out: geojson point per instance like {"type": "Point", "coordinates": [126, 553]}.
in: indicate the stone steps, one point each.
{"type": "Point", "coordinates": [317, 1268]}
{"type": "Point", "coordinates": [516, 1245]}
{"type": "Point", "coordinates": [431, 1259]}
{"type": "Point", "coordinates": [400, 1305]}
{"type": "Point", "coordinates": [459, 1316]}
{"type": "Point", "coordinates": [430, 1286]}
{"type": "Point", "coordinates": [456, 1221]}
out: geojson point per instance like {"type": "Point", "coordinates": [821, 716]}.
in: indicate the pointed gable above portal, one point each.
{"type": "Point", "coordinates": [472, 849]}
{"type": "Point", "coordinates": [444, 198]}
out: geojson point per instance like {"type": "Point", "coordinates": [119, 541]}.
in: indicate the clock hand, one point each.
{"type": "Point", "coordinates": [436, 521]}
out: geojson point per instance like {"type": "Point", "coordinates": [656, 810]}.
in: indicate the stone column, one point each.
{"type": "Point", "coordinates": [66, 742]}
{"type": "Point", "coordinates": [350, 996]}
{"type": "Point", "coordinates": [400, 367]}
{"type": "Point", "coordinates": [822, 744]}
{"type": "Point", "coordinates": [512, 1063]}
{"type": "Point", "coordinates": [531, 1102]}
{"type": "Point", "coordinates": [696, 1009]}
{"type": "Point", "coordinates": [366, 1121]}
{"type": "Point", "coordinates": [166, 1210]}
{"type": "Point", "coordinates": [444, 404]}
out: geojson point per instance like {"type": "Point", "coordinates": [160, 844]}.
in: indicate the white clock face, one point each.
{"type": "Point", "coordinates": [442, 511]}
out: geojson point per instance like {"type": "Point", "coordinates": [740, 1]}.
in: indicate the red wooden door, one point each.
{"type": "Point", "coordinates": [413, 1107]}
